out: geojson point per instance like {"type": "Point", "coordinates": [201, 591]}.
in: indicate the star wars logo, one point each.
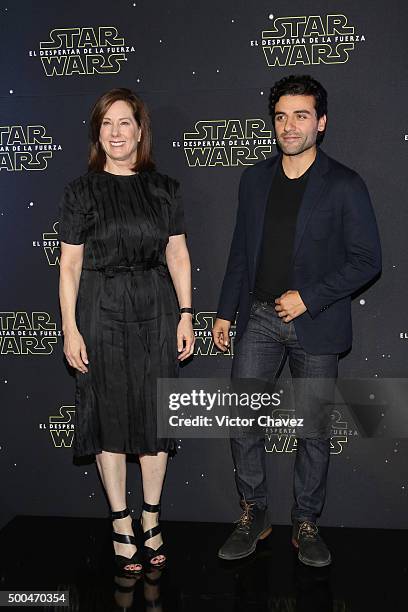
{"type": "Point", "coordinates": [23, 333]}
{"type": "Point", "coordinates": [226, 142]}
{"type": "Point", "coordinates": [204, 343]}
{"type": "Point", "coordinates": [283, 439]}
{"type": "Point", "coordinates": [51, 245]}
{"type": "Point", "coordinates": [61, 427]}
{"type": "Point", "coordinates": [83, 51]}
{"type": "Point", "coordinates": [25, 147]}
{"type": "Point", "coordinates": [308, 40]}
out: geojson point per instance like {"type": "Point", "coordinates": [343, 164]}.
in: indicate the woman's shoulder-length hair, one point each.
{"type": "Point", "coordinates": [97, 156]}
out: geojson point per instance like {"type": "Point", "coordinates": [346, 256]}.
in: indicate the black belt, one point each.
{"type": "Point", "coordinates": [139, 267]}
{"type": "Point", "coordinates": [266, 302]}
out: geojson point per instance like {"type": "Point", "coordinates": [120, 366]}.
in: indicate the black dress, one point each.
{"type": "Point", "coordinates": [127, 310]}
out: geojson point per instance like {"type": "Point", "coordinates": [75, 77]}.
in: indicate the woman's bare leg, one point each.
{"type": "Point", "coordinates": [112, 470]}
{"type": "Point", "coordinates": [153, 473]}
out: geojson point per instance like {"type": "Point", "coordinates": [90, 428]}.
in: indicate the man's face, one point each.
{"type": "Point", "coordinates": [296, 123]}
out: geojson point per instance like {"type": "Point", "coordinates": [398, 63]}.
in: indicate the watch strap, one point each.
{"type": "Point", "coordinates": [189, 310]}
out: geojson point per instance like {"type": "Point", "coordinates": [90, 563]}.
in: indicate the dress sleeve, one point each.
{"type": "Point", "coordinates": [177, 225]}
{"type": "Point", "coordinates": [71, 229]}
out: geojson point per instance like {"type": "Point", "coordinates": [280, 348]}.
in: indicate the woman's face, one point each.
{"type": "Point", "coordinates": [120, 133]}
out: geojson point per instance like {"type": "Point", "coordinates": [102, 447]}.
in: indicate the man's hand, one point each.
{"type": "Point", "coordinates": [289, 305]}
{"type": "Point", "coordinates": [220, 334]}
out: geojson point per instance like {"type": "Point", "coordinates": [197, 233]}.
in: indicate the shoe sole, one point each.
{"type": "Point", "coordinates": [314, 563]}
{"type": "Point", "coordinates": [262, 536]}
{"type": "Point", "coordinates": [310, 563]}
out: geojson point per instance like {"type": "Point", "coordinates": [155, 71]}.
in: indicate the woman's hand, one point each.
{"type": "Point", "coordinates": [75, 350]}
{"type": "Point", "coordinates": [185, 337]}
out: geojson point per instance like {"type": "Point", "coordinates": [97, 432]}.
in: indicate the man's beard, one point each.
{"type": "Point", "coordinates": [301, 146]}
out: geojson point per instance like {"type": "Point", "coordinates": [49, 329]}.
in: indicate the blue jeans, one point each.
{"type": "Point", "coordinates": [261, 354]}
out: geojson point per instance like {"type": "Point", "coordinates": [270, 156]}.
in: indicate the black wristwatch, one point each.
{"type": "Point", "coordinates": [189, 310]}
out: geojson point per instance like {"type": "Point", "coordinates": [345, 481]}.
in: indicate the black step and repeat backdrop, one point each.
{"type": "Point", "coordinates": [205, 70]}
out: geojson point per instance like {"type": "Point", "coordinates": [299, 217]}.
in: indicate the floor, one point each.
{"type": "Point", "coordinates": [368, 573]}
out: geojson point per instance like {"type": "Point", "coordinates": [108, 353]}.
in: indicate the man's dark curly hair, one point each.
{"type": "Point", "coordinates": [300, 85]}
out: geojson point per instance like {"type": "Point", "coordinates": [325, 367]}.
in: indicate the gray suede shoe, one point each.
{"type": "Point", "coordinates": [252, 526]}
{"type": "Point", "coordinates": [312, 548]}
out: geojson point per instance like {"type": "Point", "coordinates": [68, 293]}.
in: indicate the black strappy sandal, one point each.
{"type": "Point", "coordinates": [121, 561]}
{"type": "Point", "coordinates": [149, 552]}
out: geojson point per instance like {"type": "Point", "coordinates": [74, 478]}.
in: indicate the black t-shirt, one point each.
{"type": "Point", "coordinates": [274, 267]}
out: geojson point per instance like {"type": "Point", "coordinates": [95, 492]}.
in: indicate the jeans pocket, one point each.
{"type": "Point", "coordinates": [254, 307]}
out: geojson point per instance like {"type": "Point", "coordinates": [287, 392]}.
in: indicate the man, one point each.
{"type": "Point", "coordinates": [305, 240]}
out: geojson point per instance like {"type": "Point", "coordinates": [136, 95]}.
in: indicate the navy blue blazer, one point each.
{"type": "Point", "coordinates": [336, 251]}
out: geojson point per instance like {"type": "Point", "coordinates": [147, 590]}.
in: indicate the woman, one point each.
{"type": "Point", "coordinates": [124, 264]}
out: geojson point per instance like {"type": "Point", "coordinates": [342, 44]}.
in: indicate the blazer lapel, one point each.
{"type": "Point", "coordinates": [311, 197]}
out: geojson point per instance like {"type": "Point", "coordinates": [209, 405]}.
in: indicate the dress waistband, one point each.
{"type": "Point", "coordinates": [139, 267]}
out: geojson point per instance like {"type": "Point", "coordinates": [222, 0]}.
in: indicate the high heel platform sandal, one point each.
{"type": "Point", "coordinates": [149, 552]}
{"type": "Point", "coordinates": [121, 561]}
